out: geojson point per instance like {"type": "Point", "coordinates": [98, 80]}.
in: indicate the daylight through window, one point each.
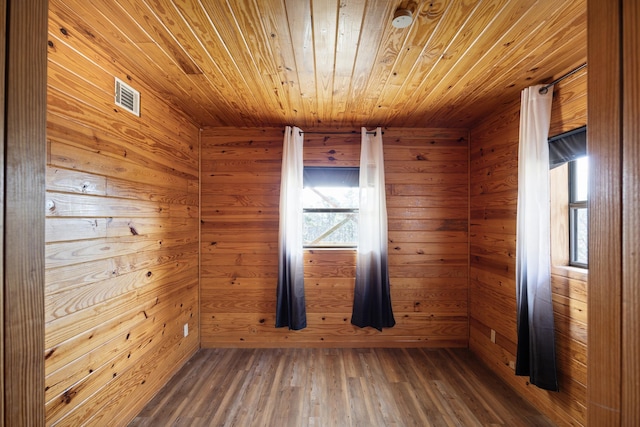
{"type": "Point", "coordinates": [578, 213]}
{"type": "Point", "coordinates": [330, 201]}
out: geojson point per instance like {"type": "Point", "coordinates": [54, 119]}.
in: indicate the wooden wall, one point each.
{"type": "Point", "coordinates": [427, 181]}
{"type": "Point", "coordinates": [493, 200]}
{"type": "Point", "coordinates": [122, 234]}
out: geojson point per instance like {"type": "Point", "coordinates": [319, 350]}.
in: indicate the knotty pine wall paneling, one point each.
{"type": "Point", "coordinates": [427, 201]}
{"type": "Point", "coordinates": [494, 188]}
{"type": "Point", "coordinates": [122, 238]}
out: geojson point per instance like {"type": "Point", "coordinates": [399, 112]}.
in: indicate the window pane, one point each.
{"type": "Point", "coordinates": [330, 176]}
{"type": "Point", "coordinates": [330, 229]}
{"type": "Point", "coordinates": [580, 239]}
{"type": "Point", "coordinates": [581, 171]}
{"type": "Point", "coordinates": [330, 197]}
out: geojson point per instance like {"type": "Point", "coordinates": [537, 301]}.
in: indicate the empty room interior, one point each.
{"type": "Point", "coordinates": [161, 155]}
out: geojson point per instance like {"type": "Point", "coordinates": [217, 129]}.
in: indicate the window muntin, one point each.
{"type": "Point", "coordinates": [330, 207]}
{"type": "Point", "coordinates": [578, 213]}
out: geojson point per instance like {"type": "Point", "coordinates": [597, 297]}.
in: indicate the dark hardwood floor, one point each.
{"type": "Point", "coordinates": [337, 387]}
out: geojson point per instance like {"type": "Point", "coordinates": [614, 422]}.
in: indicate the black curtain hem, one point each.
{"type": "Point", "coordinates": [378, 327]}
{"type": "Point", "coordinates": [542, 385]}
{"type": "Point", "coordinates": [292, 328]}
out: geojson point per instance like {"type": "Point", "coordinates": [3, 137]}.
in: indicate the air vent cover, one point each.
{"type": "Point", "coordinates": [127, 97]}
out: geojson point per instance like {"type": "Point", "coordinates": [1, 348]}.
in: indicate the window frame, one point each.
{"type": "Point", "coordinates": [560, 266]}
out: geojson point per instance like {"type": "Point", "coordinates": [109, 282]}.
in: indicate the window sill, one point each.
{"type": "Point", "coordinates": [329, 248]}
{"type": "Point", "coordinates": [570, 272]}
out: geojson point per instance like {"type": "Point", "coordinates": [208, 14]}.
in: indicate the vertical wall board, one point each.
{"type": "Point", "coordinates": [605, 214]}
{"type": "Point", "coordinates": [631, 215]}
{"type": "Point", "coordinates": [23, 239]}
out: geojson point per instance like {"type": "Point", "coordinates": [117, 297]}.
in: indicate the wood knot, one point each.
{"type": "Point", "coordinates": [68, 395]}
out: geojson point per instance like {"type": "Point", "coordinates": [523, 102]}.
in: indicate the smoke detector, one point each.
{"type": "Point", "coordinates": [402, 18]}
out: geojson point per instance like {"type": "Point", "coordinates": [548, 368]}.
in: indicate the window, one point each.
{"type": "Point", "coordinates": [569, 170]}
{"type": "Point", "coordinates": [578, 214]}
{"type": "Point", "coordinates": [330, 199]}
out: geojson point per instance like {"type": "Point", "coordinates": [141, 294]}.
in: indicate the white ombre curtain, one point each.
{"type": "Point", "coordinates": [290, 304]}
{"type": "Point", "coordinates": [372, 300]}
{"type": "Point", "coordinates": [536, 336]}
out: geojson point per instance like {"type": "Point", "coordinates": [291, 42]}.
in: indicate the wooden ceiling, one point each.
{"type": "Point", "coordinates": [336, 63]}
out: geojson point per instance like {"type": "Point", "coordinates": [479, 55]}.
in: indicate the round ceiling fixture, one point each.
{"type": "Point", "coordinates": [402, 18]}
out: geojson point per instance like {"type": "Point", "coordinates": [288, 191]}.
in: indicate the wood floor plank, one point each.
{"type": "Point", "coordinates": [337, 387]}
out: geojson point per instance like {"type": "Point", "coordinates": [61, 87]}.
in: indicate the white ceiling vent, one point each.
{"type": "Point", "coordinates": [127, 97]}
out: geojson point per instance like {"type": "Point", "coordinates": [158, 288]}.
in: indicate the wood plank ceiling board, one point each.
{"type": "Point", "coordinates": [375, 17]}
{"type": "Point", "coordinates": [339, 64]}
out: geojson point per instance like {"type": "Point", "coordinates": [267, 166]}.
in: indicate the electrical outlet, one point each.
{"type": "Point", "coordinates": [186, 329]}
{"type": "Point", "coordinates": [493, 336]}
{"type": "Point", "coordinates": [512, 364]}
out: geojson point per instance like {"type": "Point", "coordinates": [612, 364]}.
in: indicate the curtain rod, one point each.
{"type": "Point", "coordinates": [545, 88]}
{"type": "Point", "coordinates": [372, 132]}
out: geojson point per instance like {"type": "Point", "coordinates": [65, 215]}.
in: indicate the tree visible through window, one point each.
{"type": "Point", "coordinates": [330, 200]}
{"type": "Point", "coordinates": [578, 214]}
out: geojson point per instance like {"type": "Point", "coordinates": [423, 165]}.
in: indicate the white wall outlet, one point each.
{"type": "Point", "coordinates": [493, 336]}
{"type": "Point", "coordinates": [186, 329]}
{"type": "Point", "coordinates": [512, 364]}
